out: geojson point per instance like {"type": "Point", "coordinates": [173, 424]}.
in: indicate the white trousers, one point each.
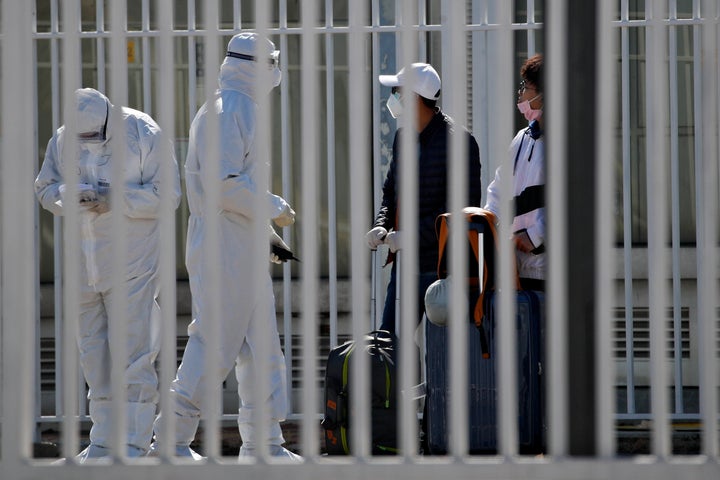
{"type": "Point", "coordinates": [239, 347]}
{"type": "Point", "coordinates": [142, 347]}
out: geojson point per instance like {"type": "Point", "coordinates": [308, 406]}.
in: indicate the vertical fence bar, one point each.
{"type": "Point", "coordinates": [455, 103]}
{"type": "Point", "coordinates": [309, 201]}
{"type": "Point", "coordinates": [627, 206]}
{"type": "Point", "coordinates": [581, 167]}
{"type": "Point", "coordinates": [117, 316]}
{"type": "Point", "coordinates": [422, 21]}
{"type": "Point", "coordinates": [506, 365]}
{"type": "Point", "coordinates": [287, 193]}
{"type": "Point", "coordinates": [168, 282]}
{"type": "Point", "coordinates": [480, 80]}
{"type": "Point", "coordinates": [605, 140]}
{"type": "Point", "coordinates": [407, 270]}
{"type": "Point", "coordinates": [260, 264]}
{"type": "Point", "coordinates": [211, 181]}
{"type": "Point", "coordinates": [331, 170]}
{"type": "Point", "coordinates": [71, 79]}
{"type": "Point", "coordinates": [57, 222]}
{"type": "Point", "coordinates": [360, 192]}
{"type": "Point", "coordinates": [656, 117]}
{"type": "Point", "coordinates": [675, 213]}
{"type": "Point", "coordinates": [192, 59]}
{"type": "Point", "coordinates": [531, 34]}
{"type": "Point", "coordinates": [147, 93]}
{"type": "Point", "coordinates": [18, 216]}
{"type": "Point", "coordinates": [556, 383]}
{"type": "Point", "coordinates": [100, 46]}
{"type": "Point", "coordinates": [37, 350]}
{"type": "Point", "coordinates": [376, 273]}
{"type": "Point", "coordinates": [706, 117]}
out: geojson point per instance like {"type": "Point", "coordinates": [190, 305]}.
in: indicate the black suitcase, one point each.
{"type": "Point", "coordinates": [380, 346]}
{"type": "Point", "coordinates": [482, 390]}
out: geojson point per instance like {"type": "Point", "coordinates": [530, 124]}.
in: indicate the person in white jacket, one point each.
{"type": "Point", "coordinates": [247, 302]}
{"type": "Point", "coordinates": [142, 187]}
{"type": "Point", "coordinates": [527, 152]}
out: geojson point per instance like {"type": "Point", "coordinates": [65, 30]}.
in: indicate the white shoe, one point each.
{"type": "Point", "coordinates": [92, 451]}
{"type": "Point", "coordinates": [180, 451]}
{"type": "Point", "coordinates": [277, 451]}
{"type": "Point", "coordinates": [98, 451]}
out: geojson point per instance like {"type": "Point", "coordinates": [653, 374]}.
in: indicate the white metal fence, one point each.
{"type": "Point", "coordinates": [325, 127]}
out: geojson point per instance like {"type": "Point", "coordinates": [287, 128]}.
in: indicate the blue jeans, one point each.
{"type": "Point", "coordinates": [424, 280]}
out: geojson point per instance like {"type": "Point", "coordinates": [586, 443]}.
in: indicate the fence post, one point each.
{"type": "Point", "coordinates": [580, 235]}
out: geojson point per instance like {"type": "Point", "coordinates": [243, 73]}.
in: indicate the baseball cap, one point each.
{"type": "Point", "coordinates": [425, 80]}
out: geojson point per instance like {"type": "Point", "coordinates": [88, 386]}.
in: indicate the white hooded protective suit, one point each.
{"type": "Point", "coordinates": [141, 207]}
{"type": "Point", "coordinates": [247, 301]}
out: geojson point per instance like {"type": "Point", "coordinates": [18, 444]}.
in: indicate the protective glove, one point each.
{"type": "Point", "coordinates": [286, 217]}
{"type": "Point", "coordinates": [279, 251]}
{"type": "Point", "coordinates": [393, 241]}
{"type": "Point", "coordinates": [99, 207]}
{"type": "Point", "coordinates": [375, 237]}
{"type": "Point", "coordinates": [86, 193]}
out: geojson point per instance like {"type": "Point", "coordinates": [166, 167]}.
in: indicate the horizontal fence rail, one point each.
{"type": "Point", "coordinates": [324, 142]}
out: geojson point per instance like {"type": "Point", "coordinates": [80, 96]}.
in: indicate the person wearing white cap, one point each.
{"type": "Point", "coordinates": [142, 188]}
{"type": "Point", "coordinates": [247, 301]}
{"type": "Point", "coordinates": [421, 84]}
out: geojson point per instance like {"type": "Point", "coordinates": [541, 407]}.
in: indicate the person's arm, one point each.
{"type": "Point", "coordinates": [388, 210]}
{"type": "Point", "coordinates": [49, 179]}
{"type": "Point", "coordinates": [142, 200]}
{"type": "Point", "coordinates": [238, 192]}
{"type": "Point", "coordinates": [474, 173]}
{"type": "Point", "coordinates": [492, 199]}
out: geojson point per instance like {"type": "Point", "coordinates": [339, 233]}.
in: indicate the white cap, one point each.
{"type": "Point", "coordinates": [436, 302]}
{"type": "Point", "coordinates": [425, 80]}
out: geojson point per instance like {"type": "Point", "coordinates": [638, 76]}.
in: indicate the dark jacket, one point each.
{"type": "Point", "coordinates": [432, 185]}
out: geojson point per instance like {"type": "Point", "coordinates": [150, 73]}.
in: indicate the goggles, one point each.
{"type": "Point", "coordinates": [273, 60]}
{"type": "Point", "coordinates": [98, 136]}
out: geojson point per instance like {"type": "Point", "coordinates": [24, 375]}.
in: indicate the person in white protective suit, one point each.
{"type": "Point", "coordinates": [142, 186]}
{"type": "Point", "coordinates": [247, 302]}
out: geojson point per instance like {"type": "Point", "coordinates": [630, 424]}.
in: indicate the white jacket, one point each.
{"type": "Point", "coordinates": [141, 188]}
{"type": "Point", "coordinates": [527, 155]}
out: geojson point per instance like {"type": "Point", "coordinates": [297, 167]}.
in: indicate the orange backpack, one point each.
{"type": "Point", "coordinates": [479, 221]}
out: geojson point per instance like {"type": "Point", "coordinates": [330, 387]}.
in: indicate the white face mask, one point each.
{"type": "Point", "coordinates": [394, 105]}
{"type": "Point", "coordinates": [529, 113]}
{"type": "Point", "coordinates": [94, 147]}
{"type": "Point", "coordinates": [276, 76]}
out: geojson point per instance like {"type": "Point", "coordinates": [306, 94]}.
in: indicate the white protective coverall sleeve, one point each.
{"type": "Point", "coordinates": [239, 191]}
{"type": "Point", "coordinates": [49, 180]}
{"type": "Point", "coordinates": [142, 199]}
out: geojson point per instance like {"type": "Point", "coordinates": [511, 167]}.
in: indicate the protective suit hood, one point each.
{"type": "Point", "coordinates": [240, 73]}
{"type": "Point", "coordinates": [93, 110]}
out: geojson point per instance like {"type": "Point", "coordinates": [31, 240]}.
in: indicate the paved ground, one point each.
{"type": "Point", "coordinates": [632, 440]}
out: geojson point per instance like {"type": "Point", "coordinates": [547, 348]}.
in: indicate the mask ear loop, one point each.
{"type": "Point", "coordinates": [536, 97]}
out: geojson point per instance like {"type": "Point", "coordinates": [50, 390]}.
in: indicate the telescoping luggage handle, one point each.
{"type": "Point", "coordinates": [374, 281]}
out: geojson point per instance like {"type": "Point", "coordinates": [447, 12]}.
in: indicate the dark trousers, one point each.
{"type": "Point", "coordinates": [424, 280]}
